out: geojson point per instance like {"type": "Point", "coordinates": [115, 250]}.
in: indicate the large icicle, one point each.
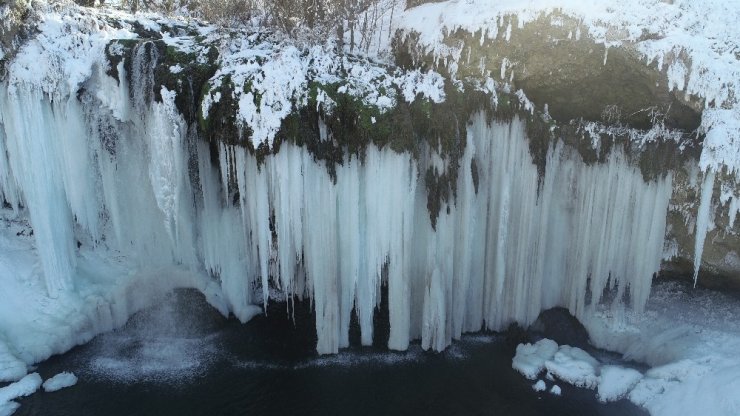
{"type": "Point", "coordinates": [39, 164]}
{"type": "Point", "coordinates": [703, 220]}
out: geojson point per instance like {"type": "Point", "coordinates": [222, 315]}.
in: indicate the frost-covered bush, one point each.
{"type": "Point", "coordinates": [350, 21]}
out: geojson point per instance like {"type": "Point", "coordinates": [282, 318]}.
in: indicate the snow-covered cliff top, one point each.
{"type": "Point", "coordinates": [73, 40]}
{"type": "Point", "coordinates": [697, 43]}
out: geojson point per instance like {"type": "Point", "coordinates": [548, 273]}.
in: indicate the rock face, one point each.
{"type": "Point", "coordinates": [575, 81]}
{"type": "Point", "coordinates": [720, 263]}
{"type": "Point", "coordinates": [13, 14]}
{"type": "Point", "coordinates": [560, 326]}
{"type": "Point", "coordinates": [555, 64]}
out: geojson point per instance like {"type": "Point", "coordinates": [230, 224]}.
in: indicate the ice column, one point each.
{"type": "Point", "coordinates": [703, 220]}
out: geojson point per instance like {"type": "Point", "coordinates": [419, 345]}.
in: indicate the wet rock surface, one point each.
{"type": "Point", "coordinates": [560, 326]}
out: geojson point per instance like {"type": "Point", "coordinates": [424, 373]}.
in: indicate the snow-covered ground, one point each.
{"type": "Point", "coordinates": [689, 337]}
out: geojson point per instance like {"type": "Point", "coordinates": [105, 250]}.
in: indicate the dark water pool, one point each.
{"type": "Point", "coordinates": [182, 358]}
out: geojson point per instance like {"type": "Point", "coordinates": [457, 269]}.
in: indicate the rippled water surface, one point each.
{"type": "Point", "coordinates": [182, 358]}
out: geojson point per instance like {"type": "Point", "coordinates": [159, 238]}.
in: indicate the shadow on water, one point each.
{"type": "Point", "coordinates": [183, 358]}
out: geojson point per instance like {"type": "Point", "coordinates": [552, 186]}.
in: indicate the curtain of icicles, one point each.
{"type": "Point", "coordinates": [130, 178]}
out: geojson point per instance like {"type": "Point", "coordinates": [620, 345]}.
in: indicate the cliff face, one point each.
{"type": "Point", "coordinates": [13, 15]}
{"type": "Point", "coordinates": [609, 94]}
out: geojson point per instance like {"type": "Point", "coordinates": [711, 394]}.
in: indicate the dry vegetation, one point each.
{"type": "Point", "coordinates": [356, 20]}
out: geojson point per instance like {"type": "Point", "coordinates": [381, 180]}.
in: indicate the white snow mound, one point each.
{"type": "Point", "coordinates": [615, 382]}
{"type": "Point", "coordinates": [25, 387]}
{"type": "Point", "coordinates": [60, 381]}
{"type": "Point", "coordinates": [530, 358]}
{"type": "Point", "coordinates": [574, 366]}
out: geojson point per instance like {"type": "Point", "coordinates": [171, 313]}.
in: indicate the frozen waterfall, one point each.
{"type": "Point", "coordinates": [135, 179]}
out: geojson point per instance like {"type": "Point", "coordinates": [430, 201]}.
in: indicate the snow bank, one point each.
{"type": "Point", "coordinates": [11, 368]}
{"type": "Point", "coordinates": [574, 366]}
{"type": "Point", "coordinates": [530, 358]}
{"type": "Point", "coordinates": [539, 386]}
{"type": "Point", "coordinates": [60, 381]}
{"type": "Point", "coordinates": [24, 387]}
{"type": "Point", "coordinates": [615, 382]}
{"type": "Point", "coordinates": [690, 337]}
{"type": "Point", "coordinates": [694, 42]}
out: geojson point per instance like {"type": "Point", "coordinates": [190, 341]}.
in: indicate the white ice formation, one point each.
{"type": "Point", "coordinates": [23, 387]}
{"type": "Point", "coordinates": [59, 381]}
{"type": "Point", "coordinates": [500, 253]}
{"type": "Point", "coordinates": [687, 337]}
{"type": "Point", "coordinates": [95, 162]}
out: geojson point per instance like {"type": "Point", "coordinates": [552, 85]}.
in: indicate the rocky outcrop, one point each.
{"type": "Point", "coordinates": [720, 263]}
{"type": "Point", "coordinates": [558, 65]}
{"type": "Point", "coordinates": [13, 23]}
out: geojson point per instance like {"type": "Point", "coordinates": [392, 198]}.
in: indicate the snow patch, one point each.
{"type": "Point", "coordinates": [60, 381]}
{"type": "Point", "coordinates": [616, 382]}
{"type": "Point", "coordinates": [530, 358]}
{"type": "Point", "coordinates": [24, 387]}
{"type": "Point", "coordinates": [574, 366]}
{"type": "Point", "coordinates": [539, 386]}
{"type": "Point", "coordinates": [690, 337]}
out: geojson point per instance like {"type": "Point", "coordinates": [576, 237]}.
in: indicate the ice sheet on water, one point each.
{"type": "Point", "coordinates": [365, 358]}
{"type": "Point", "coordinates": [160, 344]}
{"type": "Point", "coordinates": [577, 367]}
